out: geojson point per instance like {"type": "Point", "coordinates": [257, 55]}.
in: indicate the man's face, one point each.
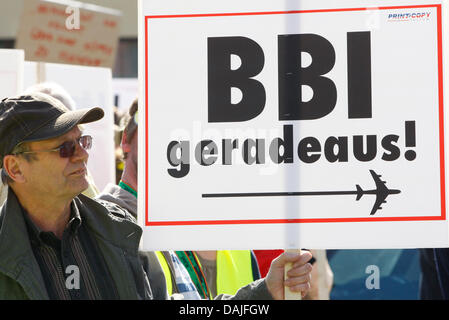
{"type": "Point", "coordinates": [50, 175]}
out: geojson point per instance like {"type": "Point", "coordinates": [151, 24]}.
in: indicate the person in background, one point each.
{"type": "Point", "coordinates": [441, 260]}
{"type": "Point", "coordinates": [118, 131]}
{"type": "Point", "coordinates": [429, 285]}
{"type": "Point", "coordinates": [220, 272]}
{"type": "Point", "coordinates": [236, 268]}
{"type": "Point", "coordinates": [163, 268]}
{"type": "Point", "coordinates": [323, 276]}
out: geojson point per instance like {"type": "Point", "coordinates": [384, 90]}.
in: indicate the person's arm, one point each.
{"type": "Point", "coordinates": [272, 286]}
{"type": "Point", "coordinates": [322, 277]}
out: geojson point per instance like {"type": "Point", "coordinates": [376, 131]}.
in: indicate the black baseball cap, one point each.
{"type": "Point", "coordinates": [36, 117]}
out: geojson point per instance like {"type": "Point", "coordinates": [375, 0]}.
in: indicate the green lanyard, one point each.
{"type": "Point", "coordinates": [190, 261]}
{"type": "Point", "coordinates": [124, 186]}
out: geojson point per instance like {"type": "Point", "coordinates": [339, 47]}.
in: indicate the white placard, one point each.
{"type": "Point", "coordinates": [69, 32]}
{"type": "Point", "coordinates": [11, 72]}
{"type": "Point", "coordinates": [293, 124]}
{"type": "Point", "coordinates": [124, 90]}
{"type": "Point", "coordinates": [89, 87]}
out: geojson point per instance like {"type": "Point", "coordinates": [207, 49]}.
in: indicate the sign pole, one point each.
{"type": "Point", "coordinates": [288, 294]}
{"type": "Point", "coordinates": [40, 72]}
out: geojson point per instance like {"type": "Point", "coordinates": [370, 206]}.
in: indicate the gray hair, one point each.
{"type": "Point", "coordinates": [21, 147]}
{"type": "Point", "coordinates": [56, 91]}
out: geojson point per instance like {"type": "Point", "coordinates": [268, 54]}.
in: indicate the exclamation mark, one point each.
{"type": "Point", "coordinates": [410, 140]}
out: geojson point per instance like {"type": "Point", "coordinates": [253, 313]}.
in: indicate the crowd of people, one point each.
{"type": "Point", "coordinates": [55, 224]}
{"type": "Point", "coordinates": [53, 217]}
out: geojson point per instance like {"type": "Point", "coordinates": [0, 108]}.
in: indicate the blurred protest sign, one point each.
{"type": "Point", "coordinates": [89, 87]}
{"type": "Point", "coordinates": [11, 72]}
{"type": "Point", "coordinates": [68, 32]}
{"type": "Point", "coordinates": [316, 124]}
{"type": "Point", "coordinates": [125, 90]}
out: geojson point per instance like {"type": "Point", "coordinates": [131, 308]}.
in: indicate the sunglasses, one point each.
{"type": "Point", "coordinates": [67, 149]}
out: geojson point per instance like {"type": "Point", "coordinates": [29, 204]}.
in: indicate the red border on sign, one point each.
{"type": "Point", "coordinates": [312, 220]}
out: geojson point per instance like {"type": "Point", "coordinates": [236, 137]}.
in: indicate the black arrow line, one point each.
{"type": "Point", "coordinates": [381, 192]}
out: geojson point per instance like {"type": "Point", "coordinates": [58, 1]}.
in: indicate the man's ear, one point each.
{"type": "Point", "coordinates": [126, 147]}
{"type": "Point", "coordinates": [11, 165]}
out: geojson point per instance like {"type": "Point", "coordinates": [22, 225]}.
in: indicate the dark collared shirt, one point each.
{"type": "Point", "coordinates": [73, 267]}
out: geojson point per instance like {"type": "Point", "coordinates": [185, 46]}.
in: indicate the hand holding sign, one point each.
{"type": "Point", "coordinates": [298, 276]}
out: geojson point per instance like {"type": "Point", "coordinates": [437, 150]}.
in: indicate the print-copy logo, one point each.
{"type": "Point", "coordinates": [409, 16]}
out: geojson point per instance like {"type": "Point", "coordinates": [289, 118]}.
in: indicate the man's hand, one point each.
{"type": "Point", "coordinates": [298, 276]}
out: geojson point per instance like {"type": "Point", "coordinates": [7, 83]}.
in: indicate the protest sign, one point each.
{"type": "Point", "coordinates": [89, 87]}
{"type": "Point", "coordinates": [124, 90]}
{"type": "Point", "coordinates": [293, 124]}
{"type": "Point", "coordinates": [11, 72]}
{"type": "Point", "coordinates": [68, 32]}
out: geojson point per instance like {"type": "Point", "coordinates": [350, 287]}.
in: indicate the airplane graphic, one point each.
{"type": "Point", "coordinates": [381, 192]}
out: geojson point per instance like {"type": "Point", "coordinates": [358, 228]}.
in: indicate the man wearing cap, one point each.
{"type": "Point", "coordinates": [56, 243]}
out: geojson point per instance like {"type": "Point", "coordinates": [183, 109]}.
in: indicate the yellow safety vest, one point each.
{"type": "Point", "coordinates": [234, 270]}
{"type": "Point", "coordinates": [166, 270]}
